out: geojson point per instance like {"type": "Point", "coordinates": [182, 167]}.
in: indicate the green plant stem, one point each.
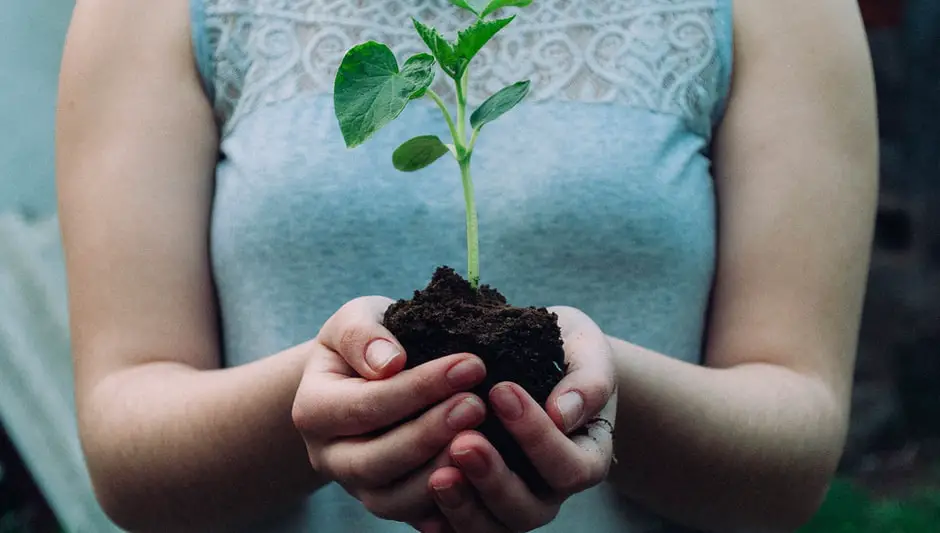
{"type": "Point", "coordinates": [473, 244]}
{"type": "Point", "coordinates": [462, 110]}
{"type": "Point", "coordinates": [443, 107]}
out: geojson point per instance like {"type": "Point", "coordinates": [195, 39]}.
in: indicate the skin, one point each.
{"type": "Point", "coordinates": [746, 442]}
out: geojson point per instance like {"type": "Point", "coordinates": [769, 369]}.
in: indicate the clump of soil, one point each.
{"type": "Point", "coordinates": [518, 344]}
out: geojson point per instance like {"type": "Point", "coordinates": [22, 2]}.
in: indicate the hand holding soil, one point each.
{"type": "Point", "coordinates": [380, 432]}
{"type": "Point", "coordinates": [569, 443]}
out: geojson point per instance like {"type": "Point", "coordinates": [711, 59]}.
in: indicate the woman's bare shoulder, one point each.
{"type": "Point", "coordinates": [796, 174]}
{"type": "Point", "coordinates": [136, 146]}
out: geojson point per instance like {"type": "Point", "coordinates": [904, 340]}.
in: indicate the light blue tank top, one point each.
{"type": "Point", "coordinates": [595, 192]}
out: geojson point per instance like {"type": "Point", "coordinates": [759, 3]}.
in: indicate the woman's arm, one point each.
{"type": "Point", "coordinates": [750, 441]}
{"type": "Point", "coordinates": [170, 438]}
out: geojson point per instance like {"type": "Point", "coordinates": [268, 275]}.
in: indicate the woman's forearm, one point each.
{"type": "Point", "coordinates": [171, 448]}
{"type": "Point", "coordinates": [750, 448]}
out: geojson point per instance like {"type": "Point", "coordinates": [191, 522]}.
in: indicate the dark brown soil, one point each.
{"type": "Point", "coordinates": [518, 344]}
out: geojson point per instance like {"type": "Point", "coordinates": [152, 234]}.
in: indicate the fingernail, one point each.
{"type": "Point", "coordinates": [506, 403]}
{"type": "Point", "coordinates": [465, 373]}
{"type": "Point", "coordinates": [450, 496]}
{"type": "Point", "coordinates": [570, 405]}
{"type": "Point", "coordinates": [471, 462]}
{"type": "Point", "coordinates": [380, 353]}
{"type": "Point", "coordinates": [465, 414]}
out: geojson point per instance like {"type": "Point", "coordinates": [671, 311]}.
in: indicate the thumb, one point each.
{"type": "Point", "coordinates": [589, 389]}
{"type": "Point", "coordinates": [356, 333]}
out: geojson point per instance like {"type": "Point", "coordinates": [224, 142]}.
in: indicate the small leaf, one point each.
{"type": "Point", "coordinates": [442, 49]}
{"type": "Point", "coordinates": [472, 39]}
{"type": "Point", "coordinates": [370, 91]}
{"type": "Point", "coordinates": [499, 103]}
{"type": "Point", "coordinates": [417, 153]}
{"type": "Point", "coordinates": [463, 4]}
{"type": "Point", "coordinates": [499, 4]}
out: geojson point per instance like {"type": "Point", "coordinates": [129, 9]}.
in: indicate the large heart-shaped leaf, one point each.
{"type": "Point", "coordinates": [440, 47]}
{"type": "Point", "coordinates": [472, 39]}
{"type": "Point", "coordinates": [495, 106]}
{"type": "Point", "coordinates": [499, 4]}
{"type": "Point", "coordinates": [417, 153]}
{"type": "Point", "coordinates": [370, 91]}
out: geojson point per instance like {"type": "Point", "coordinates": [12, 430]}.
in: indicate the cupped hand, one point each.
{"type": "Point", "coordinates": [377, 430]}
{"type": "Point", "coordinates": [569, 441]}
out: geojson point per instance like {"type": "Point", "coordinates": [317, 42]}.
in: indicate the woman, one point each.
{"type": "Point", "coordinates": [711, 210]}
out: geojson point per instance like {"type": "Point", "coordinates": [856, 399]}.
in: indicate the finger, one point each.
{"type": "Point", "coordinates": [374, 462]}
{"type": "Point", "coordinates": [504, 493]}
{"type": "Point", "coordinates": [567, 465]}
{"type": "Point", "coordinates": [356, 332]}
{"type": "Point", "coordinates": [354, 406]}
{"type": "Point", "coordinates": [455, 499]}
{"type": "Point", "coordinates": [590, 383]}
{"type": "Point", "coordinates": [407, 499]}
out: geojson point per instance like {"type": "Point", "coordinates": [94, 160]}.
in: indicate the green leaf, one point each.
{"type": "Point", "coordinates": [495, 106]}
{"type": "Point", "coordinates": [463, 4]}
{"type": "Point", "coordinates": [472, 39]}
{"type": "Point", "coordinates": [499, 4]}
{"type": "Point", "coordinates": [442, 49]}
{"type": "Point", "coordinates": [419, 152]}
{"type": "Point", "coordinates": [370, 91]}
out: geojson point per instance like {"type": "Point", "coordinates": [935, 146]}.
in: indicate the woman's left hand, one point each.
{"type": "Point", "coordinates": [481, 495]}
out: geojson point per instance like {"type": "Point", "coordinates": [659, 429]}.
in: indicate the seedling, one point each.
{"type": "Point", "coordinates": [452, 314]}
{"type": "Point", "coordinates": [371, 91]}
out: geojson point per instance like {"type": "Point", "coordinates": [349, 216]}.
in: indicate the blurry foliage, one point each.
{"type": "Point", "coordinates": [849, 509]}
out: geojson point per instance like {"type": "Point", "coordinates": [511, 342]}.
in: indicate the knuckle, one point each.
{"type": "Point", "coordinates": [576, 478]}
{"type": "Point", "coordinates": [431, 440]}
{"type": "Point", "coordinates": [351, 471]}
{"type": "Point", "coordinates": [299, 416]}
{"type": "Point", "coordinates": [427, 386]}
{"type": "Point", "coordinates": [351, 308]}
{"type": "Point", "coordinates": [315, 458]}
{"type": "Point", "coordinates": [352, 339]}
{"type": "Point", "coordinates": [360, 415]}
{"type": "Point", "coordinates": [305, 414]}
{"type": "Point", "coordinates": [373, 303]}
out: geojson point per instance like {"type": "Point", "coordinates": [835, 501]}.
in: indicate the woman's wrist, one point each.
{"type": "Point", "coordinates": [204, 442]}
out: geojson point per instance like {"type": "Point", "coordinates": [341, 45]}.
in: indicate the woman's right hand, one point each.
{"type": "Point", "coordinates": [353, 398]}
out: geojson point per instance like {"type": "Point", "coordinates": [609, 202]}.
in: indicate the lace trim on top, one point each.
{"type": "Point", "coordinates": [661, 55]}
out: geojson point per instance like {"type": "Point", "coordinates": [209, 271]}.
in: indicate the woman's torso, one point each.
{"type": "Point", "coordinates": [595, 192]}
